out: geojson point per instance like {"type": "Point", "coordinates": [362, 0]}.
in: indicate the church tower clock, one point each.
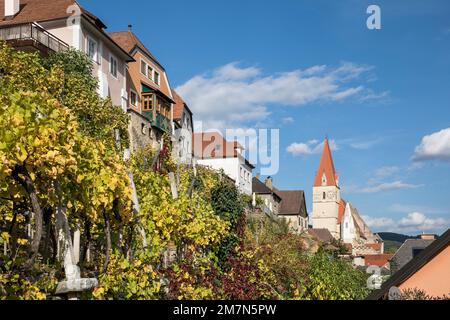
{"type": "Point", "coordinates": [326, 195]}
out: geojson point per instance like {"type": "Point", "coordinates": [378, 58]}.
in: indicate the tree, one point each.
{"type": "Point", "coordinates": [49, 156]}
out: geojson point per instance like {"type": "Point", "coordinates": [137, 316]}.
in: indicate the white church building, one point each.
{"type": "Point", "coordinates": [340, 217]}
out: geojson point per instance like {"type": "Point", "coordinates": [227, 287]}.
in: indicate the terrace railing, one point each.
{"type": "Point", "coordinates": [32, 31]}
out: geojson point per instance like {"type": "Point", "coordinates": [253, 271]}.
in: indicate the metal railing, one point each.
{"type": "Point", "coordinates": [31, 31]}
{"type": "Point", "coordinates": [161, 122]}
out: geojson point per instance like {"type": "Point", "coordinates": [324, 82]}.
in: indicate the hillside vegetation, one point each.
{"type": "Point", "coordinates": [59, 158]}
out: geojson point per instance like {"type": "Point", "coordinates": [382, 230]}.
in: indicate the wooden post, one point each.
{"type": "Point", "coordinates": [117, 136]}
{"type": "Point", "coordinates": [173, 185]}
{"type": "Point", "coordinates": [88, 253]}
{"type": "Point", "coordinates": [76, 245]}
{"type": "Point", "coordinates": [194, 165]}
{"type": "Point", "coordinates": [136, 210]}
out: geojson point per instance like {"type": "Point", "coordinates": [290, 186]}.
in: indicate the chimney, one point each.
{"type": "Point", "coordinates": [130, 27]}
{"type": "Point", "coordinates": [269, 183]}
{"type": "Point", "coordinates": [258, 175]}
{"type": "Point", "coordinates": [427, 236]}
{"type": "Point", "coordinates": [12, 7]}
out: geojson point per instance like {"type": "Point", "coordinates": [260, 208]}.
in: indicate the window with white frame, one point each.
{"type": "Point", "coordinates": [156, 78]}
{"type": "Point", "coordinates": [92, 49]}
{"type": "Point", "coordinates": [149, 72]}
{"type": "Point", "coordinates": [144, 68]}
{"type": "Point", "coordinates": [113, 66]}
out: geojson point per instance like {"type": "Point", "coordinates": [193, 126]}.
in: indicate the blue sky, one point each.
{"type": "Point", "coordinates": [312, 68]}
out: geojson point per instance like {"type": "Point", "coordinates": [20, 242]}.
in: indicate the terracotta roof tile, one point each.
{"type": "Point", "coordinates": [37, 11]}
{"type": "Point", "coordinates": [377, 259]}
{"type": "Point", "coordinates": [208, 145]}
{"type": "Point", "coordinates": [49, 10]}
{"type": "Point", "coordinates": [179, 106]}
{"type": "Point", "coordinates": [128, 41]}
{"type": "Point", "coordinates": [326, 166]}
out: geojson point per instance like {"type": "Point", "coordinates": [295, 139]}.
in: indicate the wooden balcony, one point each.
{"type": "Point", "coordinates": [31, 37]}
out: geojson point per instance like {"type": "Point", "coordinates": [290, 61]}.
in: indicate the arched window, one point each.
{"type": "Point", "coordinates": [324, 196]}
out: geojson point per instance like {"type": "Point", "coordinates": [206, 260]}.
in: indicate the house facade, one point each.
{"type": "Point", "coordinates": [427, 271]}
{"type": "Point", "coordinates": [340, 217]}
{"type": "Point", "coordinates": [55, 25]}
{"type": "Point", "coordinates": [293, 210]}
{"type": "Point", "coordinates": [149, 94]}
{"type": "Point", "coordinates": [289, 205]}
{"type": "Point", "coordinates": [271, 200]}
{"type": "Point", "coordinates": [212, 150]}
{"type": "Point", "coordinates": [183, 129]}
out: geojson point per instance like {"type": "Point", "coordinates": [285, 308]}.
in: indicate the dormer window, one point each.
{"type": "Point", "coordinates": [156, 78]}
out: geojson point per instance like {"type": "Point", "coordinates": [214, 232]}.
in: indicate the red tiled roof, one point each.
{"type": "Point", "coordinates": [205, 146]}
{"type": "Point", "coordinates": [375, 246]}
{"type": "Point", "coordinates": [37, 11]}
{"type": "Point", "coordinates": [128, 41]}
{"type": "Point", "coordinates": [377, 259]}
{"type": "Point", "coordinates": [326, 166]}
{"type": "Point", "coordinates": [49, 10]}
{"type": "Point", "coordinates": [341, 211]}
{"type": "Point", "coordinates": [179, 106]}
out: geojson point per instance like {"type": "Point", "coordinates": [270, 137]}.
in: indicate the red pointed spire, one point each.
{"type": "Point", "coordinates": [326, 166]}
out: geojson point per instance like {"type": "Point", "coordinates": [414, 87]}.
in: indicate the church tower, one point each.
{"type": "Point", "coordinates": [326, 195]}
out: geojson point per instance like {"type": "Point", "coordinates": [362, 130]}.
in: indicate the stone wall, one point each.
{"type": "Point", "coordinates": [141, 133]}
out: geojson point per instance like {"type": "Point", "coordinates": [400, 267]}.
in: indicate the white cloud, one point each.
{"type": "Point", "coordinates": [413, 219]}
{"type": "Point", "coordinates": [412, 223]}
{"type": "Point", "coordinates": [309, 148]}
{"type": "Point", "coordinates": [378, 223]}
{"type": "Point", "coordinates": [422, 222]}
{"type": "Point", "coordinates": [387, 171]}
{"type": "Point", "coordinates": [364, 145]}
{"type": "Point", "coordinates": [395, 185]}
{"type": "Point", "coordinates": [233, 96]}
{"type": "Point", "coordinates": [435, 146]}
{"type": "Point", "coordinates": [298, 149]}
{"type": "Point", "coordinates": [288, 120]}
{"type": "Point", "coordinates": [231, 71]}
{"type": "Point", "coordinates": [405, 208]}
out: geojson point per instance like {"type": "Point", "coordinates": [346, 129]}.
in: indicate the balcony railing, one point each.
{"type": "Point", "coordinates": [162, 122]}
{"type": "Point", "coordinates": [33, 32]}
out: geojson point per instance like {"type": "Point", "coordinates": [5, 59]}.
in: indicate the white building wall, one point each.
{"type": "Point", "coordinates": [233, 167]}
{"type": "Point", "coordinates": [182, 147]}
{"type": "Point", "coordinates": [348, 226]}
{"type": "Point", "coordinates": [326, 209]}
{"type": "Point", "coordinates": [229, 165]}
{"type": "Point", "coordinates": [75, 33]}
